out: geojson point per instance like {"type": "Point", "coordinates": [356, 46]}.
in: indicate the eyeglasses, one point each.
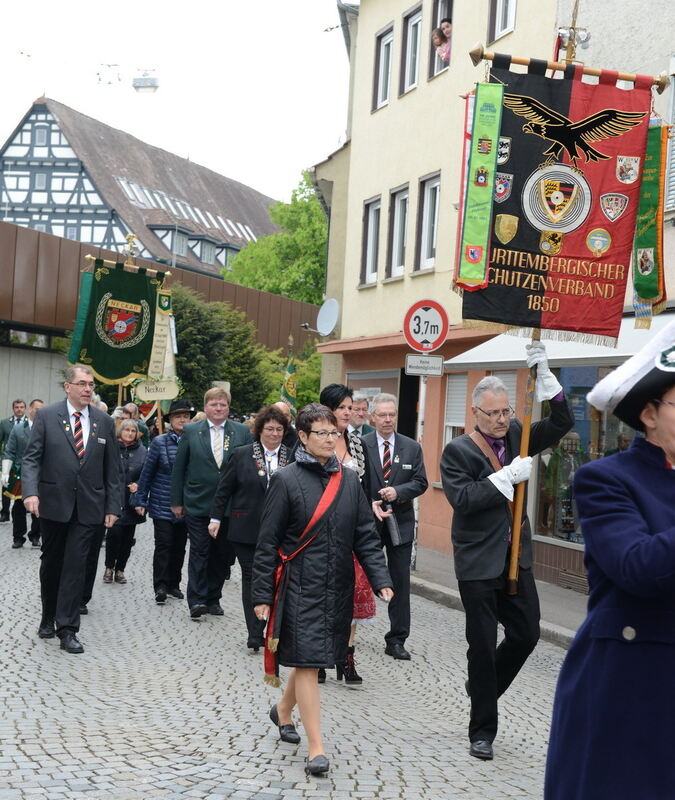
{"type": "Point", "coordinates": [273, 430]}
{"type": "Point", "coordinates": [84, 384]}
{"type": "Point", "coordinates": [498, 412]}
{"type": "Point", "coordinates": [664, 402]}
{"type": "Point", "coordinates": [386, 416]}
{"type": "Point", "coordinates": [326, 434]}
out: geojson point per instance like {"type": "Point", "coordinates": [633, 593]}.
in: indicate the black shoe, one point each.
{"type": "Point", "coordinates": [397, 651]}
{"type": "Point", "coordinates": [482, 749]}
{"type": "Point", "coordinates": [348, 670]}
{"type": "Point", "coordinates": [176, 592]}
{"type": "Point", "coordinates": [319, 765]}
{"type": "Point", "coordinates": [198, 611]}
{"type": "Point", "coordinates": [70, 643]}
{"type": "Point", "coordinates": [35, 542]}
{"type": "Point", "coordinates": [255, 644]}
{"type": "Point", "coordinates": [4, 516]}
{"type": "Point", "coordinates": [46, 629]}
{"type": "Point", "coordinates": [83, 610]}
{"type": "Point", "coordinates": [160, 596]}
{"type": "Point", "coordinates": [287, 733]}
{"type": "Point", "coordinates": [16, 544]}
{"type": "Point", "coordinates": [321, 675]}
{"type": "Point", "coordinates": [215, 609]}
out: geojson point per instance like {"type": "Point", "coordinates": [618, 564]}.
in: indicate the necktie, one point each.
{"type": "Point", "coordinates": [77, 433]}
{"type": "Point", "coordinates": [218, 445]}
{"type": "Point", "coordinates": [386, 461]}
{"type": "Point", "coordinates": [500, 450]}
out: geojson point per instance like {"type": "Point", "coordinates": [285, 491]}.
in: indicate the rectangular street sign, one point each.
{"type": "Point", "coordinates": [420, 364]}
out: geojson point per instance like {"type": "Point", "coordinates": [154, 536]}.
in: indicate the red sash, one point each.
{"type": "Point", "coordinates": [273, 630]}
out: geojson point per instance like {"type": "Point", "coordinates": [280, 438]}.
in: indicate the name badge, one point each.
{"type": "Point", "coordinates": [101, 441]}
{"type": "Point", "coordinates": [406, 466]}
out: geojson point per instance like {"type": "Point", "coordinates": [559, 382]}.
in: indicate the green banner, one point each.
{"type": "Point", "coordinates": [82, 310]}
{"type": "Point", "coordinates": [289, 392]}
{"type": "Point", "coordinates": [647, 247]}
{"type": "Point", "coordinates": [480, 186]}
{"type": "Point", "coordinates": [116, 341]}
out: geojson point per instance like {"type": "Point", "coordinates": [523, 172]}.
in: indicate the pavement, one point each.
{"type": "Point", "coordinates": [159, 706]}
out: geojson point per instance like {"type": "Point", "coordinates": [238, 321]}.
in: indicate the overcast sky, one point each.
{"type": "Point", "coordinates": [254, 90]}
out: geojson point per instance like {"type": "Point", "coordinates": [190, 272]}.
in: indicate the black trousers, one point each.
{"type": "Point", "coordinates": [254, 626]}
{"type": "Point", "coordinates": [92, 564]}
{"type": "Point", "coordinates": [492, 668]}
{"type": "Point", "coordinates": [5, 503]}
{"type": "Point", "coordinates": [118, 544]}
{"type": "Point", "coordinates": [398, 561]}
{"type": "Point", "coordinates": [65, 546]}
{"type": "Point", "coordinates": [19, 526]}
{"type": "Point", "coordinates": [209, 562]}
{"type": "Point", "coordinates": [167, 560]}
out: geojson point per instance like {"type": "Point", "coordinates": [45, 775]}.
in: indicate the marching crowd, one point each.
{"type": "Point", "coordinates": [319, 514]}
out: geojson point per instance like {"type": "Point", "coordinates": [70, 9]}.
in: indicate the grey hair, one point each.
{"type": "Point", "coordinates": [117, 413]}
{"type": "Point", "coordinates": [359, 397]}
{"type": "Point", "coordinates": [488, 384]}
{"type": "Point", "coordinates": [385, 397]}
{"type": "Point", "coordinates": [70, 372]}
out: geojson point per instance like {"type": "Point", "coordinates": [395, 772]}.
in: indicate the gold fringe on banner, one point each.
{"type": "Point", "coordinates": [546, 333]}
{"type": "Point", "coordinates": [273, 680]}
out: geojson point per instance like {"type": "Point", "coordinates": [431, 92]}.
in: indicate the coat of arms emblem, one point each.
{"type": "Point", "coordinates": [613, 205]}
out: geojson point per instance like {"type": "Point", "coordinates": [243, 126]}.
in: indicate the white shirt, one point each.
{"type": "Point", "coordinates": [271, 461]}
{"type": "Point", "coordinates": [84, 421]}
{"type": "Point", "coordinates": [380, 445]}
{"type": "Point", "coordinates": [212, 430]}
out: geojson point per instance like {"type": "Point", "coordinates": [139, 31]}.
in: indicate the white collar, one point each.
{"type": "Point", "coordinates": [271, 453]}
{"type": "Point", "coordinates": [71, 410]}
{"type": "Point", "coordinates": [381, 439]}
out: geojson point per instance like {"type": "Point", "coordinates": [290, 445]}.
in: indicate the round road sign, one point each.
{"type": "Point", "coordinates": [425, 326]}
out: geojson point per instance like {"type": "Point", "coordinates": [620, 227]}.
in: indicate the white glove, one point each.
{"type": "Point", "coordinates": [517, 471]}
{"type": "Point", "coordinates": [6, 467]}
{"type": "Point", "coordinates": [547, 383]}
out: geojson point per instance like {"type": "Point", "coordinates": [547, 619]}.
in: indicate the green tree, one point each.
{"type": "Point", "coordinates": [215, 342]}
{"type": "Point", "coordinates": [291, 263]}
{"type": "Point", "coordinates": [308, 373]}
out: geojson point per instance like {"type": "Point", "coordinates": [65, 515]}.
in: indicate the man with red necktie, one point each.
{"type": "Point", "coordinates": [71, 481]}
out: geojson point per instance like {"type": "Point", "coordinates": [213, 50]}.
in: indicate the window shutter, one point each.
{"type": "Point", "coordinates": [455, 400]}
{"type": "Point", "coordinates": [509, 378]}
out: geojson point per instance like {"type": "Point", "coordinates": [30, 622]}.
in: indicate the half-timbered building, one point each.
{"type": "Point", "coordinates": [64, 173]}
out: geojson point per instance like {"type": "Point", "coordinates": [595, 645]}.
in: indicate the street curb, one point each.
{"type": "Point", "coordinates": [555, 634]}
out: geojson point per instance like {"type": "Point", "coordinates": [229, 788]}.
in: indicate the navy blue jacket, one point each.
{"type": "Point", "coordinates": [612, 734]}
{"type": "Point", "coordinates": [155, 479]}
{"type": "Point", "coordinates": [132, 459]}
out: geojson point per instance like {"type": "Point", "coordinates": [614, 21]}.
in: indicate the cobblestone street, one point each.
{"type": "Point", "coordinates": [163, 707]}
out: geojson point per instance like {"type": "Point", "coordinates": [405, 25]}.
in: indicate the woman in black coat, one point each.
{"type": "Point", "coordinates": [240, 495]}
{"type": "Point", "coordinates": [120, 538]}
{"type": "Point", "coordinates": [319, 581]}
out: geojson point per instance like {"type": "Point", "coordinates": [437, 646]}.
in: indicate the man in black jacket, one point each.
{"type": "Point", "coordinates": [478, 472]}
{"type": "Point", "coordinates": [396, 476]}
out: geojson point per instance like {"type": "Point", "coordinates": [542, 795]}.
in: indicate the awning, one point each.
{"type": "Point", "coordinates": [508, 352]}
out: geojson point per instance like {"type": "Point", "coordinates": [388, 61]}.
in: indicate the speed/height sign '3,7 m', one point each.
{"type": "Point", "coordinates": [425, 326]}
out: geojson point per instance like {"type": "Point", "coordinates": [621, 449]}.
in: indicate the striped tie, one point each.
{"type": "Point", "coordinates": [386, 461]}
{"type": "Point", "coordinates": [218, 445]}
{"type": "Point", "coordinates": [77, 433]}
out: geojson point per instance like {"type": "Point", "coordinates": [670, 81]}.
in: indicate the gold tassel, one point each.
{"type": "Point", "coordinates": [273, 680]}
{"type": "Point", "coordinates": [645, 323]}
{"type": "Point", "coordinates": [272, 645]}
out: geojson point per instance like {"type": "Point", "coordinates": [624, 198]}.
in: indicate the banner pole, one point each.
{"type": "Point", "coordinates": [120, 394]}
{"type": "Point", "coordinates": [519, 500]}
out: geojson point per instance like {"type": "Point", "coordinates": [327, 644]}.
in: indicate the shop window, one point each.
{"type": "Point", "coordinates": [455, 406]}
{"type": "Point", "coordinates": [384, 45]}
{"type": "Point", "coordinates": [593, 436]}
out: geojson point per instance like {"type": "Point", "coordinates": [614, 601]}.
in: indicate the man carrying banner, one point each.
{"type": "Point", "coordinates": [479, 471]}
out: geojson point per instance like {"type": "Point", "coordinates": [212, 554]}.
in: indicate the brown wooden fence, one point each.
{"type": "Point", "coordinates": [39, 280]}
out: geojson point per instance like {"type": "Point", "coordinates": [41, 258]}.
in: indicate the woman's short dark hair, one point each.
{"type": "Point", "coordinates": [268, 414]}
{"type": "Point", "coordinates": [313, 412]}
{"type": "Point", "coordinates": [332, 395]}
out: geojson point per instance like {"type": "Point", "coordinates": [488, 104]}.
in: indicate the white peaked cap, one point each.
{"type": "Point", "coordinates": [644, 377]}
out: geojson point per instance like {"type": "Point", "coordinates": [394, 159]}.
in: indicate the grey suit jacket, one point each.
{"type": "Point", "coordinates": [52, 470]}
{"type": "Point", "coordinates": [480, 523]}
{"type": "Point", "coordinates": [408, 477]}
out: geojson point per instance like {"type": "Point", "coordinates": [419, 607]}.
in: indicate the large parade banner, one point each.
{"type": "Point", "coordinates": [565, 198]}
{"type": "Point", "coordinates": [116, 322]}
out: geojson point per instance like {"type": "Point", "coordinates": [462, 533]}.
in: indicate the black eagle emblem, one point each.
{"type": "Point", "coordinates": [574, 138]}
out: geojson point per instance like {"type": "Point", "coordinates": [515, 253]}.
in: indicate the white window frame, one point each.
{"type": "Point", "coordinates": [39, 131]}
{"type": "Point", "coordinates": [40, 184]}
{"type": "Point", "coordinates": [413, 48]}
{"type": "Point", "coordinates": [385, 45]}
{"type": "Point", "coordinates": [72, 233]}
{"type": "Point", "coordinates": [669, 192]}
{"type": "Point", "coordinates": [455, 406]}
{"type": "Point", "coordinates": [442, 11]}
{"type": "Point", "coordinates": [504, 18]}
{"type": "Point", "coordinates": [399, 231]}
{"type": "Point", "coordinates": [208, 253]}
{"type": "Point", "coordinates": [373, 217]}
{"type": "Point", "coordinates": [429, 234]}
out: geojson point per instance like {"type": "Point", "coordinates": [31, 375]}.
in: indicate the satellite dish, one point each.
{"type": "Point", "coordinates": [327, 318]}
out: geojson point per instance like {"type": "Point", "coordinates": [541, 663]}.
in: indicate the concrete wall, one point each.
{"type": "Point", "coordinates": [29, 374]}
